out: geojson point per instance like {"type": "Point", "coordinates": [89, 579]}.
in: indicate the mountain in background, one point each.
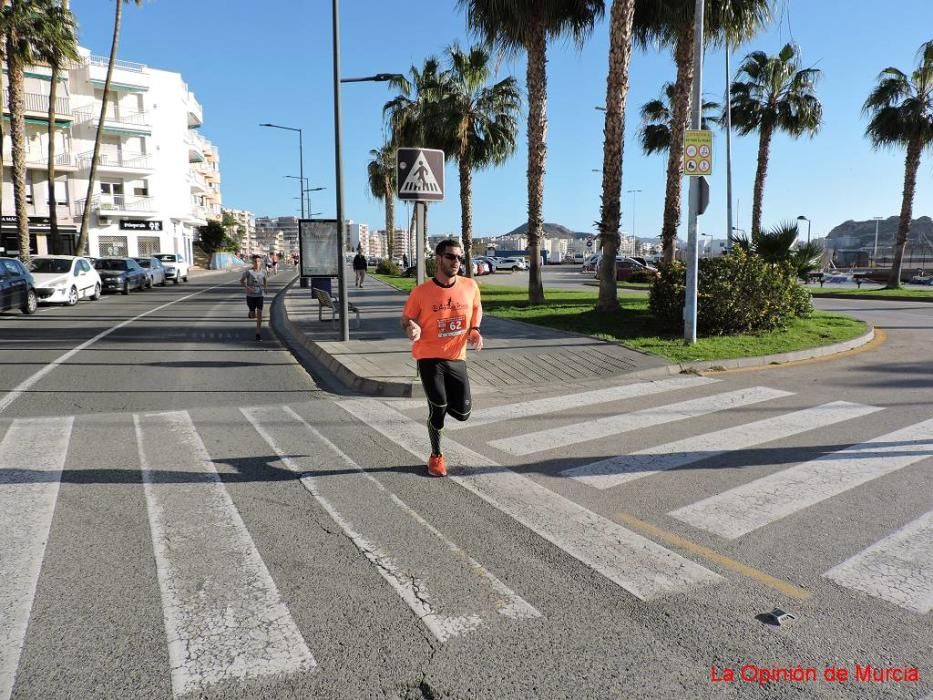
{"type": "Point", "coordinates": [860, 234]}
{"type": "Point", "coordinates": [551, 231]}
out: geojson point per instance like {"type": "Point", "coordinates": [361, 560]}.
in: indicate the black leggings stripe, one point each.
{"type": "Point", "coordinates": [447, 388]}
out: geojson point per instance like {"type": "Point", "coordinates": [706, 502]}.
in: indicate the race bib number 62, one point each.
{"type": "Point", "coordinates": [447, 327]}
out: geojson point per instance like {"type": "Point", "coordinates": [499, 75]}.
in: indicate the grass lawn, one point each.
{"type": "Point", "coordinates": [903, 294]}
{"type": "Point", "coordinates": [634, 326]}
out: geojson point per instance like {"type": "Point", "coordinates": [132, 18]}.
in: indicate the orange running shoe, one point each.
{"type": "Point", "coordinates": [436, 465]}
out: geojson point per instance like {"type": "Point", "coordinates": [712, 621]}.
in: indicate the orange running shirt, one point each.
{"type": "Point", "coordinates": [446, 315]}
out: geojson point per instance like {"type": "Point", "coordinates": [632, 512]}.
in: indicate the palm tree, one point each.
{"type": "Point", "coordinates": [777, 95]}
{"type": "Point", "coordinates": [657, 120]}
{"type": "Point", "coordinates": [525, 26]}
{"type": "Point", "coordinates": [381, 172]}
{"type": "Point", "coordinates": [58, 46]}
{"type": "Point", "coordinates": [670, 24]}
{"type": "Point", "coordinates": [901, 111]}
{"type": "Point", "coordinates": [21, 22]}
{"type": "Point", "coordinates": [86, 216]}
{"type": "Point", "coordinates": [620, 55]}
{"type": "Point", "coordinates": [478, 124]}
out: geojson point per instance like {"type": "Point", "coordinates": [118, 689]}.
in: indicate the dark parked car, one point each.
{"type": "Point", "coordinates": [120, 274]}
{"type": "Point", "coordinates": [17, 288]}
{"type": "Point", "coordinates": [155, 272]}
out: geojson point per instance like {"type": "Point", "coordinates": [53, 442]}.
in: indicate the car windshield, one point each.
{"type": "Point", "coordinates": [101, 264]}
{"type": "Point", "coordinates": [143, 262]}
{"type": "Point", "coordinates": [165, 257]}
{"type": "Point", "coordinates": [50, 265]}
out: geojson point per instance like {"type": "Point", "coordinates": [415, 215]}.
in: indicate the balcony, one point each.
{"type": "Point", "coordinates": [134, 123]}
{"type": "Point", "coordinates": [118, 204]}
{"type": "Point", "coordinates": [195, 112]}
{"type": "Point", "coordinates": [127, 76]}
{"type": "Point", "coordinates": [38, 105]}
{"type": "Point", "coordinates": [125, 163]}
{"type": "Point", "coordinates": [196, 182]}
{"type": "Point", "coordinates": [195, 147]}
{"type": "Point", "coordinates": [39, 160]}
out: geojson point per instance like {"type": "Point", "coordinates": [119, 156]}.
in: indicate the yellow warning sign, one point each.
{"type": "Point", "coordinates": [698, 152]}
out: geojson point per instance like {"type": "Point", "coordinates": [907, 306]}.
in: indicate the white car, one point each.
{"type": "Point", "coordinates": [514, 264]}
{"type": "Point", "coordinates": [176, 267]}
{"type": "Point", "coordinates": [63, 279]}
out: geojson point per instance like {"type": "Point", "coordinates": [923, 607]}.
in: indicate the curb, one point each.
{"type": "Point", "coordinates": [374, 387]}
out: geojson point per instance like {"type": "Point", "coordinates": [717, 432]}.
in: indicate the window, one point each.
{"type": "Point", "coordinates": [29, 193]}
{"type": "Point", "coordinates": [113, 245]}
{"type": "Point", "coordinates": [12, 268]}
{"type": "Point", "coordinates": [148, 246]}
{"type": "Point", "coordinates": [61, 191]}
{"type": "Point", "coordinates": [141, 191]}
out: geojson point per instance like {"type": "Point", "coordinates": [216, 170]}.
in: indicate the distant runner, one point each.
{"type": "Point", "coordinates": [440, 317]}
{"type": "Point", "coordinates": [254, 281]}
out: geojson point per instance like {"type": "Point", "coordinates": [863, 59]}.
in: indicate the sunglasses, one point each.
{"type": "Point", "coordinates": [452, 257]}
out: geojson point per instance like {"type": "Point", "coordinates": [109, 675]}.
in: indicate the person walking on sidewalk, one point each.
{"type": "Point", "coordinates": [441, 317]}
{"type": "Point", "coordinates": [359, 267]}
{"type": "Point", "coordinates": [254, 281]}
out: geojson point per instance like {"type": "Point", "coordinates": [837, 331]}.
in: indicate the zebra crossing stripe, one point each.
{"type": "Point", "coordinates": [423, 589]}
{"type": "Point", "coordinates": [614, 471]}
{"type": "Point", "coordinates": [543, 440]}
{"type": "Point", "coordinates": [32, 456]}
{"type": "Point", "coordinates": [626, 558]}
{"type": "Point", "coordinates": [896, 569]}
{"type": "Point", "coordinates": [223, 615]}
{"type": "Point", "coordinates": [555, 404]}
{"type": "Point", "coordinates": [745, 508]}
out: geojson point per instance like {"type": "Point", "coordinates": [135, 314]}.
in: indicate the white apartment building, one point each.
{"type": "Point", "coordinates": [243, 220]}
{"type": "Point", "coordinates": [157, 178]}
{"type": "Point", "coordinates": [277, 234]}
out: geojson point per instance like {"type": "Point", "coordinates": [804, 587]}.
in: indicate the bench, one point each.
{"type": "Point", "coordinates": [326, 301]}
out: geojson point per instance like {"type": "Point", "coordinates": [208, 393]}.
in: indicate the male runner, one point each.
{"type": "Point", "coordinates": [254, 280]}
{"type": "Point", "coordinates": [440, 317]}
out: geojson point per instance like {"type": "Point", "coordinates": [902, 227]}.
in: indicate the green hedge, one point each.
{"type": "Point", "coordinates": [387, 267]}
{"type": "Point", "coordinates": [737, 293]}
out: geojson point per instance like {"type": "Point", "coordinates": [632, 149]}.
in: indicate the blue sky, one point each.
{"type": "Point", "coordinates": [254, 62]}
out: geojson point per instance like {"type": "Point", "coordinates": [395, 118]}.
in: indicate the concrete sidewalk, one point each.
{"type": "Point", "coordinates": [377, 360]}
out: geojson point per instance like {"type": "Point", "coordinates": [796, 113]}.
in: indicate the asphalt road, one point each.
{"type": "Point", "coordinates": [183, 512]}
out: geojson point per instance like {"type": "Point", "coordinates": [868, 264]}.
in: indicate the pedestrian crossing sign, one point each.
{"type": "Point", "coordinates": [420, 174]}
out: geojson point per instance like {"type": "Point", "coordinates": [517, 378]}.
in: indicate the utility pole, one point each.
{"type": "Point", "coordinates": [729, 223]}
{"type": "Point", "coordinates": [690, 301]}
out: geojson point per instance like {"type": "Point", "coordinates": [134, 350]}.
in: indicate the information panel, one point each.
{"type": "Point", "coordinates": [317, 246]}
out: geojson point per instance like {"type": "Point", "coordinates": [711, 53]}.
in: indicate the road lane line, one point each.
{"type": "Point", "coordinates": [224, 618]}
{"type": "Point", "coordinates": [557, 404]}
{"type": "Point", "coordinates": [32, 456]}
{"type": "Point", "coordinates": [745, 508]}
{"type": "Point", "coordinates": [614, 471]}
{"type": "Point", "coordinates": [539, 441]}
{"type": "Point", "coordinates": [898, 568]}
{"type": "Point", "coordinates": [415, 575]}
{"type": "Point", "coordinates": [781, 586]}
{"type": "Point", "coordinates": [24, 385]}
{"type": "Point", "coordinates": [629, 560]}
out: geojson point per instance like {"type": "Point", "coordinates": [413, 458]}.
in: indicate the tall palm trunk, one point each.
{"type": "Point", "coordinates": [86, 216]}
{"type": "Point", "coordinates": [390, 218]}
{"type": "Point", "coordinates": [764, 153]}
{"type": "Point", "coordinates": [683, 87]}
{"type": "Point", "coordinates": [536, 78]}
{"type": "Point", "coordinates": [2, 169]}
{"type": "Point", "coordinates": [18, 137]}
{"type": "Point", "coordinates": [53, 200]}
{"type": "Point", "coordinates": [911, 165]}
{"type": "Point", "coordinates": [466, 213]}
{"type": "Point", "coordinates": [620, 55]}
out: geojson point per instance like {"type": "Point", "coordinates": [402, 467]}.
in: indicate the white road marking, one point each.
{"type": "Point", "coordinates": [32, 456]}
{"type": "Point", "coordinates": [542, 440]}
{"type": "Point", "coordinates": [24, 385]}
{"type": "Point", "coordinates": [629, 560]}
{"type": "Point", "coordinates": [223, 615]}
{"type": "Point", "coordinates": [898, 568]}
{"type": "Point", "coordinates": [555, 404]}
{"type": "Point", "coordinates": [748, 507]}
{"type": "Point", "coordinates": [614, 471]}
{"type": "Point", "coordinates": [411, 575]}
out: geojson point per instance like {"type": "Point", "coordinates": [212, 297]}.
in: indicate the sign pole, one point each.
{"type": "Point", "coordinates": [419, 240]}
{"type": "Point", "coordinates": [690, 300]}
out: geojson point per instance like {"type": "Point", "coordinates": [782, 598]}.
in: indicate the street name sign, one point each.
{"type": "Point", "coordinates": [698, 152]}
{"type": "Point", "coordinates": [420, 174]}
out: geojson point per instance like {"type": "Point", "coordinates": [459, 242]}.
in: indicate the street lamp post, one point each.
{"type": "Point", "coordinates": [301, 160]}
{"type": "Point", "coordinates": [633, 193]}
{"type": "Point", "coordinates": [874, 252]}
{"type": "Point", "coordinates": [803, 218]}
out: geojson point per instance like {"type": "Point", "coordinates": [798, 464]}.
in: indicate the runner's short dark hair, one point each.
{"type": "Point", "coordinates": [257, 257]}
{"type": "Point", "coordinates": [445, 244]}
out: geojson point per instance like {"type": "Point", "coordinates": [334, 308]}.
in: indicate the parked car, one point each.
{"type": "Point", "coordinates": [627, 268]}
{"type": "Point", "coordinates": [490, 262]}
{"type": "Point", "coordinates": [155, 271]}
{"type": "Point", "coordinates": [17, 287]}
{"type": "Point", "coordinates": [589, 263]}
{"type": "Point", "coordinates": [176, 267]}
{"type": "Point", "coordinates": [922, 278]}
{"type": "Point", "coordinates": [120, 274]}
{"type": "Point", "coordinates": [513, 264]}
{"type": "Point", "coordinates": [63, 279]}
